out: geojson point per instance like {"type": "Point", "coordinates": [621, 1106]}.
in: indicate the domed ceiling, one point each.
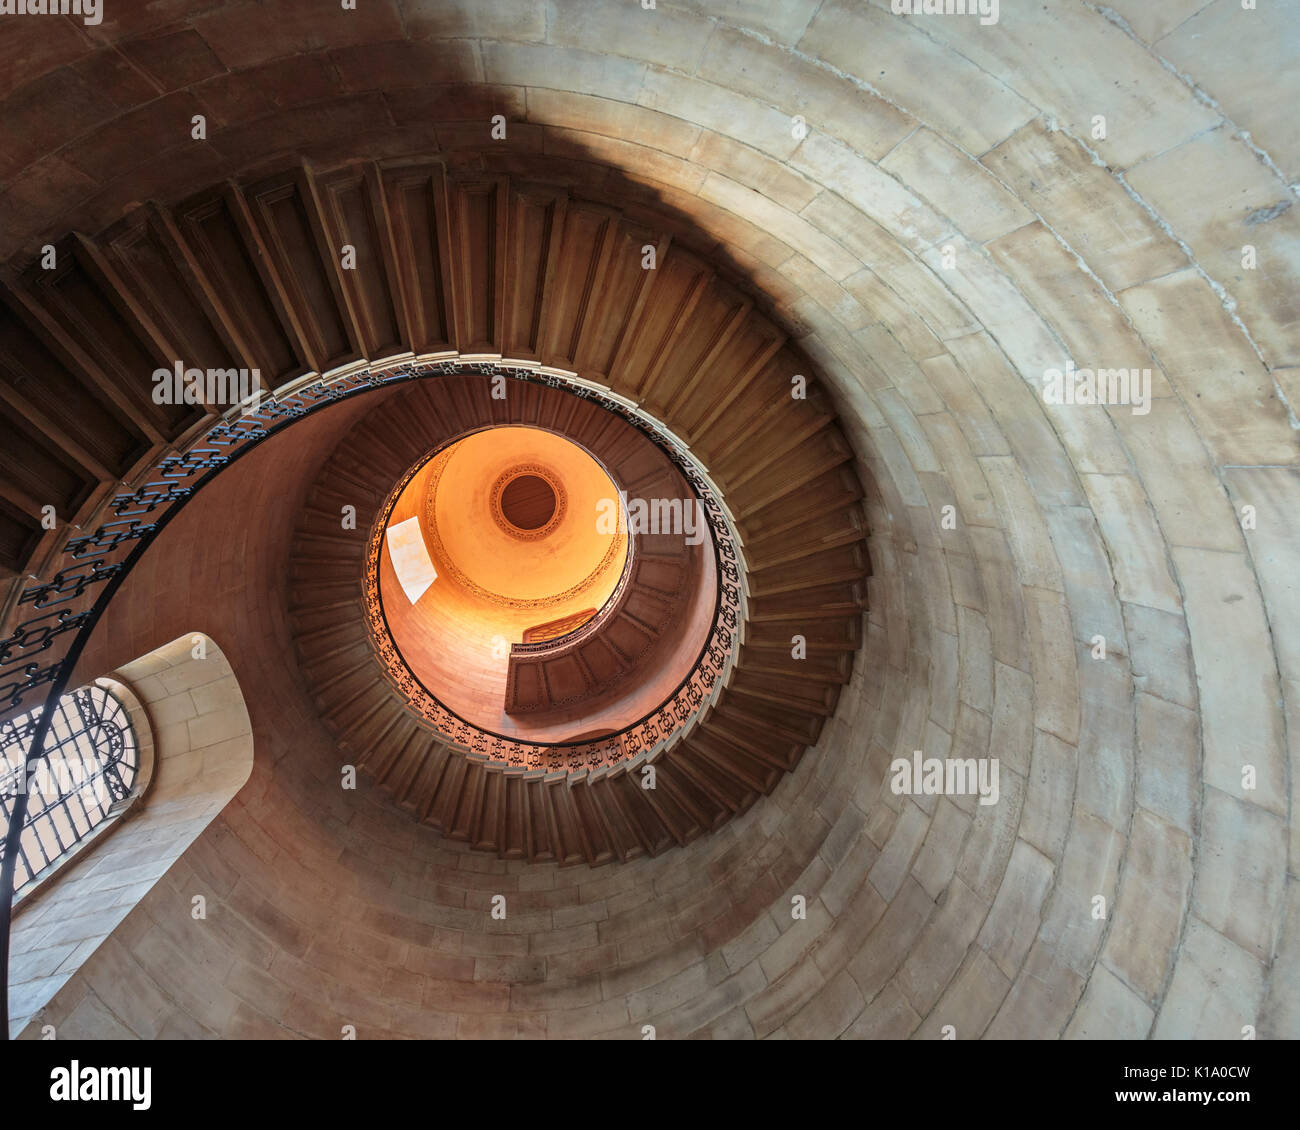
{"type": "Point", "coordinates": [510, 517]}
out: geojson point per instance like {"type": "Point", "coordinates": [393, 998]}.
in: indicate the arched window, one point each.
{"type": "Point", "coordinates": [87, 777]}
{"type": "Point", "coordinates": [157, 748]}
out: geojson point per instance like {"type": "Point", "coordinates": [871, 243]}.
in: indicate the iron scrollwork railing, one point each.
{"type": "Point", "coordinates": [55, 614]}
{"type": "Point", "coordinates": [55, 617]}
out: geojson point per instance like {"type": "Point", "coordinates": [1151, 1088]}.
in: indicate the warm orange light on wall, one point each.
{"type": "Point", "coordinates": [508, 519]}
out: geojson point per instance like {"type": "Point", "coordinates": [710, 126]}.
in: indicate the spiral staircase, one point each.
{"type": "Point", "coordinates": [336, 271]}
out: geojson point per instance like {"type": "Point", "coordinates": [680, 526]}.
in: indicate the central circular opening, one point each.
{"type": "Point", "coordinates": [497, 547]}
{"type": "Point", "coordinates": [528, 502]}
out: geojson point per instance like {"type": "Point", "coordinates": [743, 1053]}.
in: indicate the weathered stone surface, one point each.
{"type": "Point", "coordinates": [1110, 1010]}
{"type": "Point", "coordinates": [1016, 912]}
{"type": "Point", "coordinates": [1085, 206]}
{"type": "Point", "coordinates": [1241, 880]}
{"type": "Point", "coordinates": [1242, 83]}
{"type": "Point", "coordinates": [1217, 989]}
{"type": "Point", "coordinates": [1157, 877]}
{"type": "Point", "coordinates": [1234, 402]}
{"type": "Point", "coordinates": [1136, 548]}
{"type": "Point", "coordinates": [942, 174]}
{"type": "Point", "coordinates": [900, 60]}
{"type": "Point", "coordinates": [1241, 717]}
{"type": "Point", "coordinates": [1245, 205]}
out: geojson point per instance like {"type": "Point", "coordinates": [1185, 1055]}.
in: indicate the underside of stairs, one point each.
{"type": "Point", "coordinates": [312, 271]}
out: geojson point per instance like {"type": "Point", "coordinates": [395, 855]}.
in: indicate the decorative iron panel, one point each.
{"type": "Point", "coordinates": [90, 764]}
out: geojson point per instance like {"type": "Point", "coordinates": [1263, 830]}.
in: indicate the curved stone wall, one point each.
{"type": "Point", "coordinates": [957, 210]}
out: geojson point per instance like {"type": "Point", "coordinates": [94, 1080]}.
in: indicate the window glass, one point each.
{"type": "Point", "coordinates": [88, 773]}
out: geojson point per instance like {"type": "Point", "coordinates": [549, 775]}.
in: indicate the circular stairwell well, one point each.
{"type": "Point", "coordinates": [929, 227]}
